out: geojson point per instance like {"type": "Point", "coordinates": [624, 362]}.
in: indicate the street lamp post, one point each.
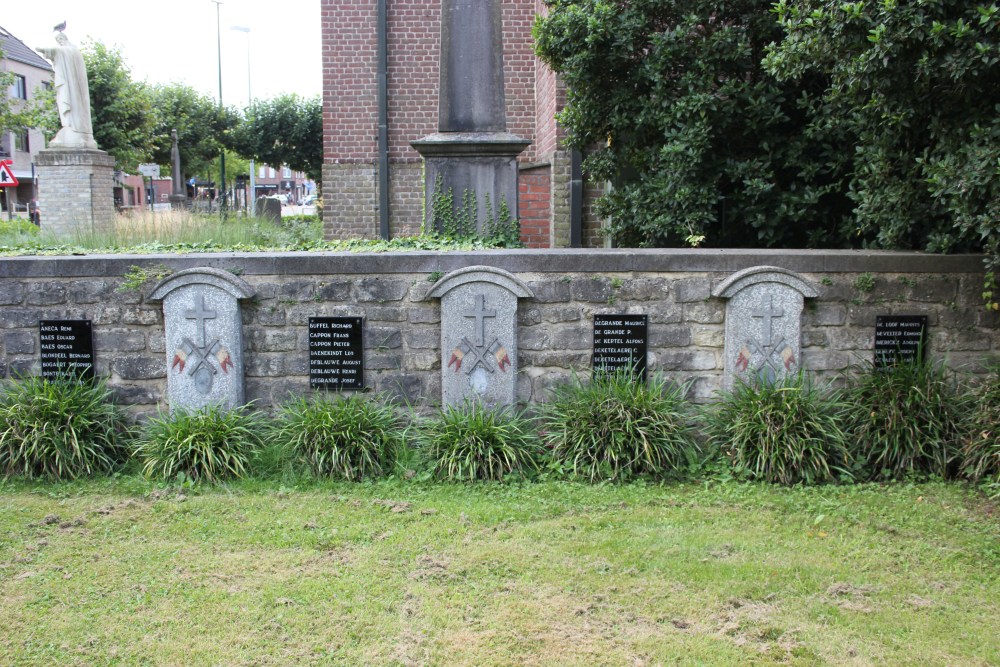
{"type": "Point", "coordinates": [222, 153]}
{"type": "Point", "coordinates": [253, 176]}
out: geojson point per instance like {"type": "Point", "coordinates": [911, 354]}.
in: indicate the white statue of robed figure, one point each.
{"type": "Point", "coordinates": [72, 95]}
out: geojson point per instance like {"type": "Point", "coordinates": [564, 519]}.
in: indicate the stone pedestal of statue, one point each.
{"type": "Point", "coordinates": [76, 190]}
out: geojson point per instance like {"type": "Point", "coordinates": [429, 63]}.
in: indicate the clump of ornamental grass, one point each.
{"type": "Point", "coordinates": [349, 438]}
{"type": "Point", "coordinates": [981, 448]}
{"type": "Point", "coordinates": [907, 419]}
{"type": "Point", "coordinates": [617, 426]}
{"type": "Point", "coordinates": [471, 441]}
{"type": "Point", "coordinates": [60, 428]}
{"type": "Point", "coordinates": [210, 444]}
{"type": "Point", "coordinates": [784, 432]}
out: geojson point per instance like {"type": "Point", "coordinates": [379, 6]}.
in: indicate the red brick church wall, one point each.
{"type": "Point", "coordinates": [533, 95]}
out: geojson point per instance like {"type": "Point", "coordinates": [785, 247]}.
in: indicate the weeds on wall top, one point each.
{"type": "Point", "coordinates": [864, 283]}
{"type": "Point", "coordinates": [197, 233]}
{"type": "Point", "coordinates": [136, 277]}
{"type": "Point", "coordinates": [991, 293]}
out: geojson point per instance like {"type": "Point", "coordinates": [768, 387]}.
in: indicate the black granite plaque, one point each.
{"type": "Point", "coordinates": [67, 348]}
{"type": "Point", "coordinates": [336, 353]}
{"type": "Point", "coordinates": [899, 338]}
{"type": "Point", "coordinates": [620, 343]}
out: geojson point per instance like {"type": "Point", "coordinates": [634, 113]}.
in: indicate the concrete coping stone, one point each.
{"type": "Point", "coordinates": [665, 260]}
{"type": "Point", "coordinates": [763, 274]}
{"type": "Point", "coordinates": [224, 280]}
{"type": "Point", "coordinates": [473, 274]}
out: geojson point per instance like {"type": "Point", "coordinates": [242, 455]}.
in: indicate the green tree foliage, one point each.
{"type": "Point", "coordinates": [917, 87]}
{"type": "Point", "coordinates": [43, 112]}
{"type": "Point", "coordinates": [38, 112]}
{"type": "Point", "coordinates": [671, 100]}
{"type": "Point", "coordinates": [120, 108]}
{"type": "Point", "coordinates": [803, 123]}
{"type": "Point", "coordinates": [9, 116]}
{"type": "Point", "coordinates": [202, 127]}
{"type": "Point", "coordinates": [287, 130]}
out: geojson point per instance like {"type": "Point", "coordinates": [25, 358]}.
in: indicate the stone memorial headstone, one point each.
{"type": "Point", "coordinates": [204, 337]}
{"type": "Point", "coordinates": [479, 334]}
{"type": "Point", "coordinates": [336, 353]}
{"type": "Point", "coordinates": [620, 344]}
{"type": "Point", "coordinates": [899, 339]}
{"type": "Point", "coordinates": [66, 348]}
{"type": "Point", "coordinates": [763, 323]}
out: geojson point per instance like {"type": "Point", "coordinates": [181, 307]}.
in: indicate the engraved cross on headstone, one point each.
{"type": "Point", "coordinates": [200, 314]}
{"type": "Point", "coordinates": [479, 365]}
{"type": "Point", "coordinates": [772, 348]}
{"type": "Point", "coordinates": [204, 361]}
{"type": "Point", "coordinates": [480, 313]}
{"type": "Point", "coordinates": [766, 316]}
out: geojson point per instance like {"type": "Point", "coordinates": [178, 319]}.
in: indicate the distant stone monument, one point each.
{"type": "Point", "coordinates": [269, 208]}
{"type": "Point", "coordinates": [178, 196]}
{"type": "Point", "coordinates": [479, 334]}
{"type": "Point", "coordinates": [204, 337]}
{"type": "Point", "coordinates": [763, 323]}
{"type": "Point", "coordinates": [75, 178]}
{"type": "Point", "coordinates": [472, 150]}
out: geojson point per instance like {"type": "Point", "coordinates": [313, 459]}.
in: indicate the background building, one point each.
{"type": "Point", "coordinates": [31, 73]}
{"type": "Point", "coordinates": [282, 181]}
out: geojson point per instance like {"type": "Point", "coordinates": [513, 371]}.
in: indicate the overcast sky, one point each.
{"type": "Point", "coordinates": [175, 40]}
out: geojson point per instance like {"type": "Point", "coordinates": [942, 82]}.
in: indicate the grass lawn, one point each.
{"type": "Point", "coordinates": [124, 572]}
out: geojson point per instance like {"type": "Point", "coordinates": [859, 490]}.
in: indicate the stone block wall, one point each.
{"type": "Point", "coordinates": [402, 328]}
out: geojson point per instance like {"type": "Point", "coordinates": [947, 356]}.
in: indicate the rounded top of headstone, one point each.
{"type": "Point", "coordinates": [480, 274]}
{"type": "Point", "coordinates": [224, 280]}
{"type": "Point", "coordinates": [764, 274]}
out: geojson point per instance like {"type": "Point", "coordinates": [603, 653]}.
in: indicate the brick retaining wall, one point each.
{"type": "Point", "coordinates": [402, 334]}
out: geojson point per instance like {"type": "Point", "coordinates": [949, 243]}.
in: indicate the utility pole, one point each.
{"type": "Point", "coordinates": [222, 152]}
{"type": "Point", "coordinates": [252, 204]}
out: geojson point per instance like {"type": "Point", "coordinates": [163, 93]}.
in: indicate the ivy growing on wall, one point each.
{"type": "Point", "coordinates": [458, 221]}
